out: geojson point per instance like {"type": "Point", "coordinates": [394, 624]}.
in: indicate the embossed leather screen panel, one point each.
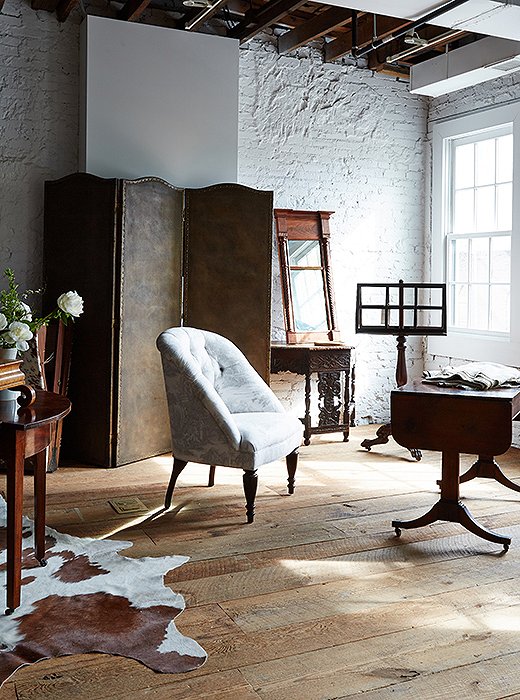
{"type": "Point", "coordinates": [151, 265]}
{"type": "Point", "coordinates": [80, 220]}
{"type": "Point", "coordinates": [228, 252]}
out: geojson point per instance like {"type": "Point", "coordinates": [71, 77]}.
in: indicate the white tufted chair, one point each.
{"type": "Point", "coordinates": [222, 412]}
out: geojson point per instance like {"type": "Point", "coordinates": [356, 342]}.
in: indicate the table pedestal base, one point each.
{"type": "Point", "coordinates": [486, 468]}
{"type": "Point", "coordinates": [454, 513]}
{"type": "Point", "coordinates": [449, 507]}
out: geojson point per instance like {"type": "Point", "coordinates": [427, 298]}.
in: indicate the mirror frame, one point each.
{"type": "Point", "coordinates": [297, 225]}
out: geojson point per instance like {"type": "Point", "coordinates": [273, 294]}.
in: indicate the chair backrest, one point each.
{"type": "Point", "coordinates": [46, 364]}
{"type": "Point", "coordinates": [55, 347]}
{"type": "Point", "coordinates": [208, 379]}
{"type": "Point", "coordinates": [219, 366]}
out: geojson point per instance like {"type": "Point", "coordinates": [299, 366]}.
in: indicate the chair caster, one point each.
{"type": "Point", "coordinates": [42, 562]}
{"type": "Point", "coordinates": [506, 547]}
{"type": "Point", "coordinates": [9, 611]}
{"type": "Point", "coordinates": [398, 532]}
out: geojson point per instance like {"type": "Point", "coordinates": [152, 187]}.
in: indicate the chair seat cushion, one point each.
{"type": "Point", "coordinates": [266, 437]}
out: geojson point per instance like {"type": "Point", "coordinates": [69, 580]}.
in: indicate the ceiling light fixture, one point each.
{"type": "Point", "coordinates": [444, 38]}
{"type": "Point", "coordinates": [196, 3]}
{"type": "Point", "coordinates": [413, 39]}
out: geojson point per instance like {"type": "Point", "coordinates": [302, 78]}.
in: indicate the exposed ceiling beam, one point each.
{"type": "Point", "coordinates": [133, 9]}
{"type": "Point", "coordinates": [203, 16]}
{"type": "Point", "coordinates": [64, 9]}
{"type": "Point", "coordinates": [257, 20]}
{"type": "Point", "coordinates": [395, 71]}
{"type": "Point", "coordinates": [365, 33]}
{"type": "Point", "coordinates": [314, 28]}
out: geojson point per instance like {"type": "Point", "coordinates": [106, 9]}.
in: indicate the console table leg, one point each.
{"type": "Point", "coordinates": [14, 452]}
{"type": "Point", "coordinates": [39, 506]}
{"type": "Point", "coordinates": [307, 419]}
{"type": "Point", "coordinates": [346, 408]}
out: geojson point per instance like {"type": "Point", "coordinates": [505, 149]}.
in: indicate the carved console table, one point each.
{"type": "Point", "coordinates": [332, 364]}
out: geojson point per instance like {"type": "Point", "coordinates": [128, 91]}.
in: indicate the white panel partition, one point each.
{"type": "Point", "coordinates": [158, 101]}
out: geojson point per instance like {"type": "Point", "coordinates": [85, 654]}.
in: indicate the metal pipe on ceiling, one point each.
{"type": "Point", "coordinates": [412, 51]}
{"type": "Point", "coordinates": [416, 24]}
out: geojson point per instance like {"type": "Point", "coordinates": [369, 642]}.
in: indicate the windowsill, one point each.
{"type": "Point", "coordinates": [475, 348]}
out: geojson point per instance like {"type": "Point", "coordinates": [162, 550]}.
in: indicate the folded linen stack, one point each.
{"type": "Point", "coordinates": [474, 375]}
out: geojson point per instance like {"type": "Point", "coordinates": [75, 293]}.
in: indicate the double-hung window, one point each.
{"type": "Point", "coordinates": [475, 250]}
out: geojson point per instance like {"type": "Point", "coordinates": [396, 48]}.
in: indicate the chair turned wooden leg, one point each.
{"type": "Point", "coordinates": [292, 463]}
{"type": "Point", "coordinates": [250, 485]}
{"type": "Point", "coordinates": [211, 480]}
{"type": "Point", "coordinates": [39, 506]}
{"type": "Point", "coordinates": [178, 466]}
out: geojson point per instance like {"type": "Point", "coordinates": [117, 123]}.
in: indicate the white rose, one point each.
{"type": "Point", "coordinates": [71, 303]}
{"type": "Point", "coordinates": [3, 322]}
{"type": "Point", "coordinates": [27, 316]}
{"type": "Point", "coordinates": [18, 335]}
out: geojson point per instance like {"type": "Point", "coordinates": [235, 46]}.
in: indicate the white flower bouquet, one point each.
{"type": "Point", "coordinates": [17, 324]}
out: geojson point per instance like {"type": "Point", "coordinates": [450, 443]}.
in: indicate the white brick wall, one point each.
{"type": "Point", "coordinates": [322, 136]}
{"type": "Point", "coordinates": [38, 126]}
{"type": "Point", "coordinates": [334, 137]}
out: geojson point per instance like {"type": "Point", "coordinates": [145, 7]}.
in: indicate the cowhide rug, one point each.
{"type": "Point", "coordinates": [89, 598]}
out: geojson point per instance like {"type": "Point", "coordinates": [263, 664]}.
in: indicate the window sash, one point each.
{"type": "Point", "coordinates": [470, 286]}
{"type": "Point", "coordinates": [461, 343]}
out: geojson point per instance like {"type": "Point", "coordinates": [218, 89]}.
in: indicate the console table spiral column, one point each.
{"type": "Point", "coordinates": [332, 364]}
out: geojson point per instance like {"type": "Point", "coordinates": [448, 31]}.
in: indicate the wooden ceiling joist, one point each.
{"type": "Point", "coordinates": [133, 9]}
{"type": "Point", "coordinates": [64, 9]}
{"type": "Point", "coordinates": [205, 15]}
{"type": "Point", "coordinates": [314, 28]}
{"type": "Point", "coordinates": [257, 20]}
{"type": "Point", "coordinates": [49, 5]}
{"type": "Point", "coordinates": [365, 33]}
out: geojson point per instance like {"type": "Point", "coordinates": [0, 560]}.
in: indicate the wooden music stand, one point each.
{"type": "Point", "coordinates": [401, 310]}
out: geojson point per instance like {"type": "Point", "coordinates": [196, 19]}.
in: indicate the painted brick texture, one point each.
{"type": "Point", "coordinates": [322, 136]}
{"type": "Point", "coordinates": [38, 126]}
{"type": "Point", "coordinates": [339, 138]}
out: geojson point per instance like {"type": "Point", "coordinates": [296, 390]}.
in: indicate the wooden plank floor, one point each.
{"type": "Point", "coordinates": [317, 599]}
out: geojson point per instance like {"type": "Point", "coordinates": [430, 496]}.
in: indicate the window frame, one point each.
{"type": "Point", "coordinates": [468, 344]}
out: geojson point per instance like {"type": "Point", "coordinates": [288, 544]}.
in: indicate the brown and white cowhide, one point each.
{"type": "Point", "coordinates": [89, 598]}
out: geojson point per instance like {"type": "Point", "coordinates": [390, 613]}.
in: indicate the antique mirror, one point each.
{"type": "Point", "coordinates": [307, 294]}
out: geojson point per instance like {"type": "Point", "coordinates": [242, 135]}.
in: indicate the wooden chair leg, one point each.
{"type": "Point", "coordinates": [211, 480]}
{"type": "Point", "coordinates": [178, 466]}
{"type": "Point", "coordinates": [292, 463]}
{"type": "Point", "coordinates": [250, 479]}
{"type": "Point", "coordinates": [40, 464]}
{"type": "Point", "coordinates": [53, 454]}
